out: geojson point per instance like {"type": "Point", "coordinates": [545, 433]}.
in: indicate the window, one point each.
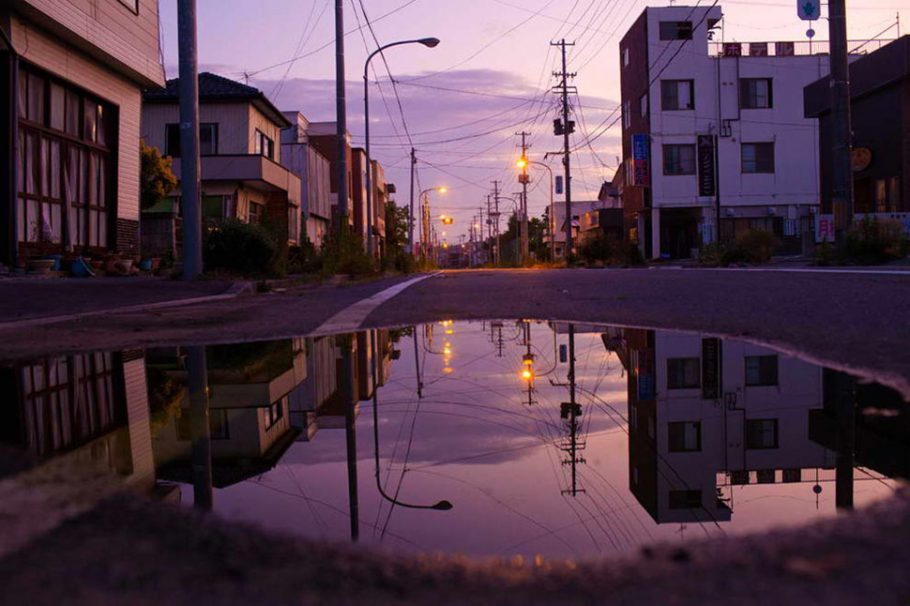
{"type": "Point", "coordinates": [643, 105]}
{"type": "Point", "coordinates": [675, 30]}
{"type": "Point", "coordinates": [263, 145]}
{"type": "Point", "coordinates": [677, 95]}
{"type": "Point", "coordinates": [684, 436]}
{"type": "Point", "coordinates": [66, 163]}
{"type": "Point", "coordinates": [627, 114]}
{"type": "Point", "coordinates": [679, 159]}
{"type": "Point", "coordinates": [887, 195]}
{"type": "Point", "coordinates": [685, 499]}
{"type": "Point", "coordinates": [757, 157]}
{"type": "Point", "coordinates": [765, 476]}
{"type": "Point", "coordinates": [761, 434]}
{"type": "Point", "coordinates": [208, 139]}
{"type": "Point", "coordinates": [274, 412]}
{"type": "Point", "coordinates": [212, 209]}
{"type": "Point", "coordinates": [625, 57]}
{"type": "Point", "coordinates": [755, 93]}
{"type": "Point", "coordinates": [255, 213]}
{"type": "Point", "coordinates": [793, 475]}
{"type": "Point", "coordinates": [683, 373]}
{"type": "Point", "coordinates": [761, 370]}
{"type": "Point", "coordinates": [293, 222]}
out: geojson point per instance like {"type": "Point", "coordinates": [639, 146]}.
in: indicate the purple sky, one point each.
{"type": "Point", "coordinates": [498, 50]}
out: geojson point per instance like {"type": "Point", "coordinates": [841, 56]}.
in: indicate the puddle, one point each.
{"type": "Point", "coordinates": [486, 442]}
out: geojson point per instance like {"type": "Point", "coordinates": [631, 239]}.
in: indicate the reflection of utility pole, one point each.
{"type": "Point", "coordinates": [844, 388]}
{"type": "Point", "coordinates": [417, 365]}
{"type": "Point", "coordinates": [350, 434]}
{"type": "Point", "coordinates": [570, 411]}
{"type": "Point", "coordinates": [198, 384]}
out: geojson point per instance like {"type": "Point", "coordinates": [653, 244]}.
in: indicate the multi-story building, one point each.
{"type": "Point", "coordinates": [314, 171]}
{"type": "Point", "coordinates": [73, 74]}
{"type": "Point", "coordinates": [323, 137]}
{"type": "Point", "coordinates": [239, 135]}
{"type": "Point", "coordinates": [879, 86]}
{"type": "Point", "coordinates": [556, 215]}
{"type": "Point", "coordinates": [714, 131]}
{"type": "Point", "coordinates": [707, 414]}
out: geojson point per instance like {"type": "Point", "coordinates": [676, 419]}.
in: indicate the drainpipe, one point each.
{"type": "Point", "coordinates": [12, 230]}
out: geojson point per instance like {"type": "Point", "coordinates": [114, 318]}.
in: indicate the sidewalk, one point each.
{"type": "Point", "coordinates": [32, 298]}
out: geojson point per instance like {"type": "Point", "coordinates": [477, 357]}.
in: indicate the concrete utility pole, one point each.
{"type": "Point", "coordinates": [411, 207]}
{"type": "Point", "coordinates": [524, 179]}
{"type": "Point", "coordinates": [190, 180]}
{"type": "Point", "coordinates": [495, 216]}
{"type": "Point", "coordinates": [341, 122]}
{"type": "Point", "coordinates": [841, 169]}
{"type": "Point", "coordinates": [567, 128]}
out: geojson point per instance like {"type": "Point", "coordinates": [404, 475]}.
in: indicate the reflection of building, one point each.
{"type": "Point", "coordinates": [249, 417]}
{"type": "Point", "coordinates": [76, 71]}
{"type": "Point", "coordinates": [706, 414]}
{"type": "Point", "coordinates": [91, 409]}
{"type": "Point", "coordinates": [320, 386]}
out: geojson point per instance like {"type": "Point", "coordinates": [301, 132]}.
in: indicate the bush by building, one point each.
{"type": "Point", "coordinates": [242, 248]}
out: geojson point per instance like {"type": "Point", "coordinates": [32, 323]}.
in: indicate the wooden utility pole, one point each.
{"type": "Point", "coordinates": [190, 180]}
{"type": "Point", "coordinates": [565, 129]}
{"type": "Point", "coordinates": [411, 207]}
{"type": "Point", "coordinates": [495, 216]}
{"type": "Point", "coordinates": [841, 169]}
{"type": "Point", "coordinates": [524, 179]}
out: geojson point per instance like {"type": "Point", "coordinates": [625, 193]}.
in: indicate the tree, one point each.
{"type": "Point", "coordinates": [156, 179]}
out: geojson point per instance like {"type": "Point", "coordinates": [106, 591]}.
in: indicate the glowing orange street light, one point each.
{"type": "Point", "coordinates": [522, 163]}
{"type": "Point", "coordinates": [527, 374]}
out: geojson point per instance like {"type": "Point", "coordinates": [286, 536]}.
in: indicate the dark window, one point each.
{"type": "Point", "coordinates": [757, 157]}
{"type": "Point", "coordinates": [765, 476]}
{"type": "Point", "coordinates": [684, 436]}
{"type": "Point", "coordinates": [264, 146]}
{"type": "Point", "coordinates": [683, 373]}
{"type": "Point", "coordinates": [212, 209]}
{"type": "Point", "coordinates": [208, 139]}
{"type": "Point", "coordinates": [739, 477]}
{"type": "Point", "coordinates": [793, 475]}
{"type": "Point", "coordinates": [274, 413]}
{"type": "Point", "coordinates": [679, 159]}
{"type": "Point", "coordinates": [255, 213]}
{"type": "Point", "coordinates": [761, 433]}
{"type": "Point", "coordinates": [685, 499]}
{"type": "Point", "coordinates": [677, 95]}
{"type": "Point", "coordinates": [675, 30]}
{"type": "Point", "coordinates": [761, 370]}
{"type": "Point", "coordinates": [755, 93]}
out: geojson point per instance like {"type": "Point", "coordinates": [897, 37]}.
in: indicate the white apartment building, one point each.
{"type": "Point", "coordinates": [314, 171]}
{"type": "Point", "coordinates": [685, 90]}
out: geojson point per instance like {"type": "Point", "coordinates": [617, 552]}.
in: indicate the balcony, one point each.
{"type": "Point", "coordinates": [250, 169]}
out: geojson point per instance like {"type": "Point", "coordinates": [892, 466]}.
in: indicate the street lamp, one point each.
{"type": "Point", "coordinates": [429, 43]}
{"type": "Point", "coordinates": [523, 163]}
{"type": "Point", "coordinates": [425, 216]}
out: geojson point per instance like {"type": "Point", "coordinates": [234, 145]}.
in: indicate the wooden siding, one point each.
{"type": "Point", "coordinates": [232, 119]}
{"type": "Point", "coordinates": [107, 29]}
{"type": "Point", "coordinates": [50, 54]}
{"type": "Point", "coordinates": [139, 422]}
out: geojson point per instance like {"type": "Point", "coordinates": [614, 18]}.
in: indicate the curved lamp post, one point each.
{"type": "Point", "coordinates": [523, 163]}
{"type": "Point", "coordinates": [441, 505]}
{"type": "Point", "coordinates": [425, 216]}
{"type": "Point", "coordinates": [429, 43]}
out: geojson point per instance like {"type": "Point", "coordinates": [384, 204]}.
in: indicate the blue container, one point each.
{"type": "Point", "coordinates": [58, 262]}
{"type": "Point", "coordinates": [81, 269]}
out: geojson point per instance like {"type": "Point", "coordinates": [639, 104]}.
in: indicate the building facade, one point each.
{"type": "Point", "coordinates": [879, 88]}
{"type": "Point", "coordinates": [72, 76]}
{"type": "Point", "coordinates": [240, 135]}
{"type": "Point", "coordinates": [314, 171]}
{"type": "Point", "coordinates": [715, 131]}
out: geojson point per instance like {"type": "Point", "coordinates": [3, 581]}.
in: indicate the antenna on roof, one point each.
{"type": "Point", "coordinates": [246, 78]}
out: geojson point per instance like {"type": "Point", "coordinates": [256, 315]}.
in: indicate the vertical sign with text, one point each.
{"type": "Point", "coordinates": [707, 162]}
{"type": "Point", "coordinates": [711, 386]}
{"type": "Point", "coordinates": [641, 160]}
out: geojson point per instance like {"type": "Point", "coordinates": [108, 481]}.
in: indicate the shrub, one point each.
{"type": "Point", "coordinates": [874, 241]}
{"type": "Point", "coordinates": [755, 246]}
{"type": "Point", "coordinates": [346, 255]}
{"type": "Point", "coordinates": [603, 247]}
{"type": "Point", "coordinates": [242, 248]}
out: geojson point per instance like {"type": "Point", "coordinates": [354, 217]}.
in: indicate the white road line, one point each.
{"type": "Point", "coordinates": [350, 319]}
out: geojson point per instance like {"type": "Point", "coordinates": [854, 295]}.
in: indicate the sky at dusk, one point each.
{"type": "Point", "coordinates": [488, 79]}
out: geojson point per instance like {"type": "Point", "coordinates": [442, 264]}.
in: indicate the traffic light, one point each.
{"type": "Point", "coordinates": [558, 128]}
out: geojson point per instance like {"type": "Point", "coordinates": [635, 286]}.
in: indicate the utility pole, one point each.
{"type": "Point", "coordinates": [524, 179]}
{"type": "Point", "coordinates": [190, 181]}
{"type": "Point", "coordinates": [495, 216]}
{"type": "Point", "coordinates": [566, 128]}
{"type": "Point", "coordinates": [201, 449]}
{"type": "Point", "coordinates": [570, 411]}
{"type": "Point", "coordinates": [341, 121]}
{"type": "Point", "coordinates": [411, 207]}
{"type": "Point", "coordinates": [842, 171]}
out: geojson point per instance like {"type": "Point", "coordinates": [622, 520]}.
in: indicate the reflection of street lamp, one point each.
{"type": "Point", "coordinates": [429, 43]}
{"type": "Point", "coordinates": [439, 506]}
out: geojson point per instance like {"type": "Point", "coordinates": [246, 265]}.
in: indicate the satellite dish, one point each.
{"type": "Point", "coordinates": [810, 33]}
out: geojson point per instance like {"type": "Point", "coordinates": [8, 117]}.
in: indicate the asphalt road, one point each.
{"type": "Point", "coordinates": [856, 321]}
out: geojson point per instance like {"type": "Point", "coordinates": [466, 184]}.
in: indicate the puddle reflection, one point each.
{"type": "Point", "coordinates": [485, 438]}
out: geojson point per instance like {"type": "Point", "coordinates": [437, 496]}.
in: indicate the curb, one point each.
{"type": "Point", "coordinates": [236, 289]}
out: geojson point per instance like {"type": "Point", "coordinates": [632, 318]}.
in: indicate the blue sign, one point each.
{"type": "Point", "coordinates": [809, 10]}
{"type": "Point", "coordinates": [640, 148]}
